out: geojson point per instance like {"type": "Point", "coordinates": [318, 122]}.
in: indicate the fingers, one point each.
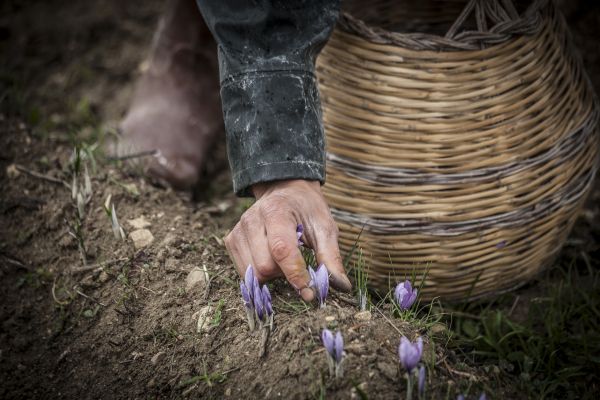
{"type": "Point", "coordinates": [254, 229]}
{"type": "Point", "coordinates": [328, 252]}
{"type": "Point", "coordinates": [239, 249]}
{"type": "Point", "coordinates": [283, 248]}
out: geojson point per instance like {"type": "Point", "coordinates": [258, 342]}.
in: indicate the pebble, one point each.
{"type": "Point", "coordinates": [141, 238]}
{"type": "Point", "coordinates": [330, 318]}
{"type": "Point", "coordinates": [196, 277]}
{"type": "Point", "coordinates": [12, 172]}
{"type": "Point", "coordinates": [204, 319]}
{"type": "Point", "coordinates": [103, 277]}
{"type": "Point", "coordinates": [363, 315]}
{"type": "Point", "coordinates": [139, 223]}
{"type": "Point", "coordinates": [158, 357]}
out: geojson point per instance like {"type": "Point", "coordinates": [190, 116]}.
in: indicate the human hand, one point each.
{"type": "Point", "coordinates": [265, 236]}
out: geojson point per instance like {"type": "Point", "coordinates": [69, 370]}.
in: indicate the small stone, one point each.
{"type": "Point", "coordinates": [228, 392]}
{"type": "Point", "coordinates": [390, 371]}
{"type": "Point", "coordinates": [438, 328]}
{"type": "Point", "coordinates": [103, 277]}
{"type": "Point", "coordinates": [172, 265]}
{"type": "Point", "coordinates": [158, 357]}
{"type": "Point", "coordinates": [330, 318]}
{"type": "Point", "coordinates": [363, 315]}
{"type": "Point", "coordinates": [139, 223]}
{"type": "Point", "coordinates": [196, 277]}
{"type": "Point", "coordinates": [12, 172]}
{"type": "Point", "coordinates": [141, 238]}
{"type": "Point", "coordinates": [203, 319]}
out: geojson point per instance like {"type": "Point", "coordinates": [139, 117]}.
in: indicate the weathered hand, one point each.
{"type": "Point", "coordinates": [265, 236]}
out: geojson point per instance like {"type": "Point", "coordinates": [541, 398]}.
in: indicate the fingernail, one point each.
{"type": "Point", "coordinates": [341, 282]}
{"type": "Point", "coordinates": [307, 294]}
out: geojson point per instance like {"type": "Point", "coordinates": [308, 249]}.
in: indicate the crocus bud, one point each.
{"type": "Point", "coordinates": [299, 232]}
{"type": "Point", "coordinates": [245, 295]}
{"type": "Point", "coordinates": [249, 281]}
{"type": "Point", "coordinates": [328, 342]}
{"type": "Point", "coordinates": [405, 295]}
{"type": "Point", "coordinates": [339, 347]}
{"type": "Point", "coordinates": [482, 396]}
{"type": "Point", "coordinates": [460, 397]}
{"type": "Point", "coordinates": [410, 353]}
{"type": "Point", "coordinates": [266, 298]}
{"type": "Point", "coordinates": [335, 351]}
{"type": "Point", "coordinates": [320, 281]}
{"type": "Point", "coordinates": [258, 301]}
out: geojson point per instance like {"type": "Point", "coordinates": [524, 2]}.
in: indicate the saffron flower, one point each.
{"type": "Point", "coordinates": [257, 300]}
{"type": "Point", "coordinates": [266, 299]}
{"type": "Point", "coordinates": [405, 295]}
{"type": "Point", "coordinates": [320, 282]}
{"type": "Point", "coordinates": [299, 232]}
{"type": "Point", "coordinates": [335, 351]}
{"type": "Point", "coordinates": [410, 353]}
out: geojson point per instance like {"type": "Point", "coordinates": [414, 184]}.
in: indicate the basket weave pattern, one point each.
{"type": "Point", "coordinates": [465, 157]}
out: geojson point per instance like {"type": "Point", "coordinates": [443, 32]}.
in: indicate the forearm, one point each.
{"type": "Point", "coordinates": [269, 92]}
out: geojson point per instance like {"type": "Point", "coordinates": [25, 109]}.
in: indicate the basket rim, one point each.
{"type": "Point", "coordinates": [508, 25]}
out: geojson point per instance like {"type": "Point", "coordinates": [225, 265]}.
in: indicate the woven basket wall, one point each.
{"type": "Point", "coordinates": [466, 155]}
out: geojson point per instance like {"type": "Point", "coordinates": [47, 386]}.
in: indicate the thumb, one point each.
{"type": "Point", "coordinates": [328, 253]}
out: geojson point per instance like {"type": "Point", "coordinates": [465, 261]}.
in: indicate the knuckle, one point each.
{"type": "Point", "coordinates": [245, 222]}
{"type": "Point", "coordinates": [280, 250]}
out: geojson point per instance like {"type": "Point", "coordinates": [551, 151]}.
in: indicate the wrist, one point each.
{"type": "Point", "coordinates": [259, 189]}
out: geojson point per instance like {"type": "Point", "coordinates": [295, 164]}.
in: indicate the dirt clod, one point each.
{"type": "Point", "coordinates": [197, 278]}
{"type": "Point", "coordinates": [141, 238]}
{"type": "Point", "coordinates": [158, 358]}
{"type": "Point", "coordinates": [139, 223]}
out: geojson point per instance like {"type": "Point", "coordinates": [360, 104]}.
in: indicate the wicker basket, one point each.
{"type": "Point", "coordinates": [464, 157]}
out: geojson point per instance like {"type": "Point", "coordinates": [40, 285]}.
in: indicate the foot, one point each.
{"type": "Point", "coordinates": [176, 108]}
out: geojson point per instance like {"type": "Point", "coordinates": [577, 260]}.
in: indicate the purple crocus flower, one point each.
{"type": "Point", "coordinates": [299, 232]}
{"type": "Point", "coordinates": [249, 281]}
{"type": "Point", "coordinates": [421, 385]}
{"type": "Point", "coordinates": [245, 295]}
{"type": "Point", "coordinates": [266, 298]}
{"type": "Point", "coordinates": [258, 301]}
{"type": "Point", "coordinates": [405, 295]}
{"type": "Point", "coordinates": [482, 396]}
{"type": "Point", "coordinates": [328, 342]}
{"type": "Point", "coordinates": [339, 347]}
{"type": "Point", "coordinates": [335, 351]}
{"type": "Point", "coordinates": [410, 353]}
{"type": "Point", "coordinates": [460, 397]}
{"type": "Point", "coordinates": [320, 281]}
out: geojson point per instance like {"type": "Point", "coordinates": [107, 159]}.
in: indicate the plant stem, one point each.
{"type": "Point", "coordinates": [409, 386]}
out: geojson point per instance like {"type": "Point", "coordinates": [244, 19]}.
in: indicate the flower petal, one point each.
{"type": "Point", "coordinates": [299, 232]}
{"type": "Point", "coordinates": [313, 277]}
{"type": "Point", "coordinates": [258, 301]}
{"type": "Point", "coordinates": [245, 295]}
{"type": "Point", "coordinates": [249, 280]}
{"type": "Point", "coordinates": [328, 342]}
{"type": "Point", "coordinates": [339, 347]}
{"type": "Point", "coordinates": [266, 298]}
{"type": "Point", "coordinates": [322, 276]}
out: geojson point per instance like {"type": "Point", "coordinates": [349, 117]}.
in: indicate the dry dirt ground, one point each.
{"type": "Point", "coordinates": [126, 327]}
